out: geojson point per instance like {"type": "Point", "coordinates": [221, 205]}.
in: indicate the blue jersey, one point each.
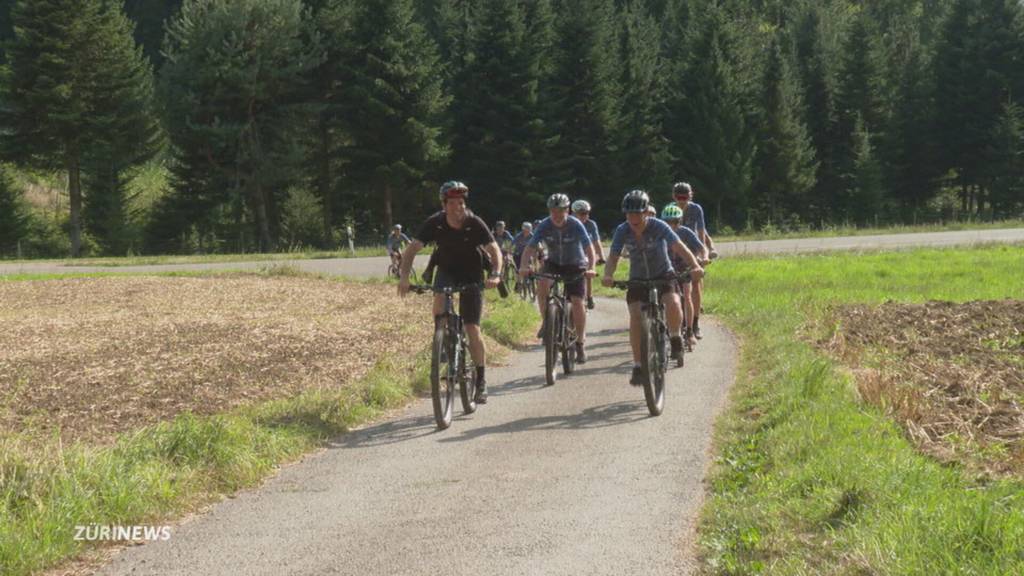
{"type": "Point", "coordinates": [566, 245]}
{"type": "Point", "coordinates": [648, 256]}
{"type": "Point", "coordinates": [504, 239]}
{"type": "Point", "coordinates": [591, 227]}
{"type": "Point", "coordinates": [689, 237]}
{"type": "Point", "coordinates": [693, 217]}
{"type": "Point", "coordinates": [395, 243]}
{"type": "Point", "coordinates": [520, 241]}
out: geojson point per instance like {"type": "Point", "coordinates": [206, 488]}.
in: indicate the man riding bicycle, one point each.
{"type": "Point", "coordinates": [395, 242]}
{"type": "Point", "coordinates": [569, 253]}
{"type": "Point", "coordinates": [693, 218]}
{"type": "Point", "coordinates": [519, 246]}
{"type": "Point", "coordinates": [462, 238]}
{"type": "Point", "coordinates": [581, 210]}
{"type": "Point", "coordinates": [672, 215]}
{"type": "Point", "coordinates": [649, 241]}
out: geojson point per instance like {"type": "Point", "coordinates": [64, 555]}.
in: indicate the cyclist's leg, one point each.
{"type": "Point", "coordinates": [471, 309]}
{"type": "Point", "coordinates": [687, 288]}
{"type": "Point", "coordinates": [698, 290]}
{"type": "Point", "coordinates": [673, 311]}
{"type": "Point", "coordinates": [576, 291]}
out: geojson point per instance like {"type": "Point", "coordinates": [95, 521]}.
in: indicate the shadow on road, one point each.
{"type": "Point", "coordinates": [387, 433]}
{"type": "Point", "coordinates": [615, 414]}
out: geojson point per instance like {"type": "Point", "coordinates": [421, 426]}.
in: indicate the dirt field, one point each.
{"type": "Point", "coordinates": [951, 374]}
{"type": "Point", "coordinates": [96, 356]}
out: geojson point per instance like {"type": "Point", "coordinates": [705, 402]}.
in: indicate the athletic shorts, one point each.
{"type": "Point", "coordinates": [471, 302]}
{"type": "Point", "coordinates": [670, 285]}
{"type": "Point", "coordinates": [577, 288]}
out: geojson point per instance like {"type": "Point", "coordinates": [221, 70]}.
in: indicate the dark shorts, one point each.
{"type": "Point", "coordinates": [577, 288]}
{"type": "Point", "coordinates": [471, 302]}
{"type": "Point", "coordinates": [639, 293]}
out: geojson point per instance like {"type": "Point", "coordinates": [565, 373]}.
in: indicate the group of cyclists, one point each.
{"type": "Point", "coordinates": [672, 249]}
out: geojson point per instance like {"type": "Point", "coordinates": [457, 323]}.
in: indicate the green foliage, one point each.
{"type": "Point", "coordinates": [14, 216]}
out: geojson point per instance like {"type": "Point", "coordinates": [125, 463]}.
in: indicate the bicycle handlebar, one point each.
{"type": "Point", "coordinates": [424, 288]}
{"type": "Point", "coordinates": [561, 277]}
{"type": "Point", "coordinates": [626, 284]}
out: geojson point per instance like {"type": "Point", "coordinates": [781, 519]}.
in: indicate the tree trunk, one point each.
{"type": "Point", "coordinates": [388, 217]}
{"type": "Point", "coordinates": [324, 180]}
{"type": "Point", "coordinates": [75, 194]}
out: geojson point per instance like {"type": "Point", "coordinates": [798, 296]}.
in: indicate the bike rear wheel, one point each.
{"type": "Point", "coordinates": [652, 352]}
{"type": "Point", "coordinates": [551, 344]}
{"type": "Point", "coordinates": [442, 378]}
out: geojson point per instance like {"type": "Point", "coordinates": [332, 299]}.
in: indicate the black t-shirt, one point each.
{"type": "Point", "coordinates": [458, 251]}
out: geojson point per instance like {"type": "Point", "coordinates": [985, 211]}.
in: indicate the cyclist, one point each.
{"type": "Point", "coordinates": [395, 242]}
{"type": "Point", "coordinates": [672, 214]}
{"type": "Point", "coordinates": [581, 210]}
{"type": "Point", "coordinates": [462, 239]}
{"type": "Point", "coordinates": [570, 252]}
{"type": "Point", "coordinates": [519, 246]}
{"type": "Point", "coordinates": [649, 241]}
{"type": "Point", "coordinates": [693, 218]}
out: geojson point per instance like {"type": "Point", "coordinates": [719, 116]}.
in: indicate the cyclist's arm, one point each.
{"type": "Point", "coordinates": [407, 257]}
{"type": "Point", "coordinates": [591, 257]}
{"type": "Point", "coordinates": [524, 261]}
{"type": "Point", "coordinates": [494, 252]}
{"type": "Point", "coordinates": [609, 269]}
{"type": "Point", "coordinates": [598, 248]}
{"type": "Point", "coordinates": [683, 252]}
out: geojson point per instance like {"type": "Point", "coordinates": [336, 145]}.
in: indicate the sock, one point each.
{"type": "Point", "coordinates": [696, 322]}
{"type": "Point", "coordinates": [479, 374]}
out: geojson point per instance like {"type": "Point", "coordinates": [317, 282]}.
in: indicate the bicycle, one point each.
{"type": "Point", "coordinates": [449, 358]}
{"type": "Point", "coordinates": [559, 332]}
{"type": "Point", "coordinates": [653, 342]}
{"type": "Point", "coordinates": [394, 271]}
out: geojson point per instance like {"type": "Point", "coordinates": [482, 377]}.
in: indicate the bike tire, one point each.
{"type": "Point", "coordinates": [568, 345]}
{"type": "Point", "coordinates": [654, 384]}
{"type": "Point", "coordinates": [551, 344]}
{"type": "Point", "coordinates": [467, 381]}
{"type": "Point", "coordinates": [442, 387]}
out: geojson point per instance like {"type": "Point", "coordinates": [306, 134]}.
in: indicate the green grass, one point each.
{"type": "Point", "coordinates": [832, 231]}
{"type": "Point", "coordinates": [159, 472]}
{"type": "Point", "coordinates": [809, 479]}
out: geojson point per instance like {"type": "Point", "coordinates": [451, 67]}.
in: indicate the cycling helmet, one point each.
{"type": "Point", "coordinates": [499, 224]}
{"type": "Point", "coordinates": [635, 201]}
{"type": "Point", "coordinates": [527, 226]}
{"type": "Point", "coordinates": [454, 189]}
{"type": "Point", "coordinates": [681, 188]}
{"type": "Point", "coordinates": [671, 212]}
{"type": "Point", "coordinates": [581, 206]}
{"type": "Point", "coordinates": [397, 227]}
{"type": "Point", "coordinates": [558, 201]}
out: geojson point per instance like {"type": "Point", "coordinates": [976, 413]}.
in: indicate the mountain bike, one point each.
{"type": "Point", "coordinates": [653, 342]}
{"type": "Point", "coordinates": [450, 361]}
{"type": "Point", "coordinates": [559, 331]}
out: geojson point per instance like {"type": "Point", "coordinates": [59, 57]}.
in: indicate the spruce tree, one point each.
{"type": "Point", "coordinates": [233, 87]}
{"type": "Point", "coordinates": [76, 94]}
{"type": "Point", "coordinates": [784, 164]}
{"type": "Point", "coordinates": [395, 105]}
{"type": "Point", "coordinates": [1004, 166]}
{"type": "Point", "coordinates": [14, 216]}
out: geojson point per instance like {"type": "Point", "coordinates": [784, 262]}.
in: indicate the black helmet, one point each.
{"type": "Point", "coordinates": [454, 189]}
{"type": "Point", "coordinates": [558, 201]}
{"type": "Point", "coordinates": [635, 201]}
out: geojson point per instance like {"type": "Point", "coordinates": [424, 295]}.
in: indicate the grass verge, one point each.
{"type": "Point", "coordinates": [809, 479]}
{"type": "Point", "coordinates": [161, 471]}
{"type": "Point", "coordinates": [834, 231]}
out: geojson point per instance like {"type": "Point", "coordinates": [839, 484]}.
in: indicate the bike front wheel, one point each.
{"type": "Point", "coordinates": [652, 352]}
{"type": "Point", "coordinates": [442, 379]}
{"type": "Point", "coordinates": [467, 384]}
{"type": "Point", "coordinates": [551, 343]}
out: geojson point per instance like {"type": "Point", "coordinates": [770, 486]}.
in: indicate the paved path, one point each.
{"type": "Point", "coordinates": [377, 266]}
{"type": "Point", "coordinates": [565, 480]}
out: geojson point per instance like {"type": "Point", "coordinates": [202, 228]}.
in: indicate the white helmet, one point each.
{"type": "Point", "coordinates": [581, 206]}
{"type": "Point", "coordinates": [527, 226]}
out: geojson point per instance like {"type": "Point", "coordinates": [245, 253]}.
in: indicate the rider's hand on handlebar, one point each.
{"type": "Point", "coordinates": [607, 281]}
{"type": "Point", "coordinates": [590, 273]}
{"type": "Point", "coordinates": [696, 273]}
{"type": "Point", "coordinates": [523, 273]}
{"type": "Point", "coordinates": [600, 261]}
{"type": "Point", "coordinates": [492, 282]}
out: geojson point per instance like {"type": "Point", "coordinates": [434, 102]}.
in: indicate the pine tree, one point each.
{"type": "Point", "coordinates": [14, 216]}
{"type": "Point", "coordinates": [711, 141]}
{"type": "Point", "coordinates": [643, 149]}
{"type": "Point", "coordinates": [784, 164]}
{"type": "Point", "coordinates": [1004, 167]}
{"type": "Point", "coordinates": [233, 86]}
{"type": "Point", "coordinates": [395, 105]}
{"type": "Point", "coordinates": [866, 189]}
{"type": "Point", "coordinates": [584, 104]}
{"type": "Point", "coordinates": [76, 94]}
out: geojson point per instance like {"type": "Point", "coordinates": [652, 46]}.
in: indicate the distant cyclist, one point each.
{"type": "Point", "coordinates": [672, 215]}
{"type": "Point", "coordinates": [649, 241]}
{"type": "Point", "coordinates": [462, 238]}
{"type": "Point", "coordinates": [519, 244]}
{"type": "Point", "coordinates": [693, 218]}
{"type": "Point", "coordinates": [570, 253]}
{"type": "Point", "coordinates": [395, 243]}
{"type": "Point", "coordinates": [581, 210]}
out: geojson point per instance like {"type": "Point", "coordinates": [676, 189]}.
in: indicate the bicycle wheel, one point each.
{"type": "Point", "coordinates": [467, 388]}
{"type": "Point", "coordinates": [442, 382]}
{"type": "Point", "coordinates": [652, 344]}
{"type": "Point", "coordinates": [551, 344]}
{"type": "Point", "coordinates": [568, 344]}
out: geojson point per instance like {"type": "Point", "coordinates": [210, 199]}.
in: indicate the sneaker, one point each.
{"type": "Point", "coordinates": [543, 326]}
{"type": "Point", "coordinates": [581, 355]}
{"type": "Point", "coordinates": [696, 332]}
{"type": "Point", "coordinates": [677, 347]}
{"type": "Point", "coordinates": [590, 303]}
{"type": "Point", "coordinates": [481, 392]}
{"type": "Point", "coordinates": [638, 378]}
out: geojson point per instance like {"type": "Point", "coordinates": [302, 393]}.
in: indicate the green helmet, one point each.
{"type": "Point", "coordinates": [672, 212]}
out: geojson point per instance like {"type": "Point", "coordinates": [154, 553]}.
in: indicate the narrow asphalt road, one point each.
{"type": "Point", "coordinates": [571, 479]}
{"type": "Point", "coordinates": [377, 266]}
